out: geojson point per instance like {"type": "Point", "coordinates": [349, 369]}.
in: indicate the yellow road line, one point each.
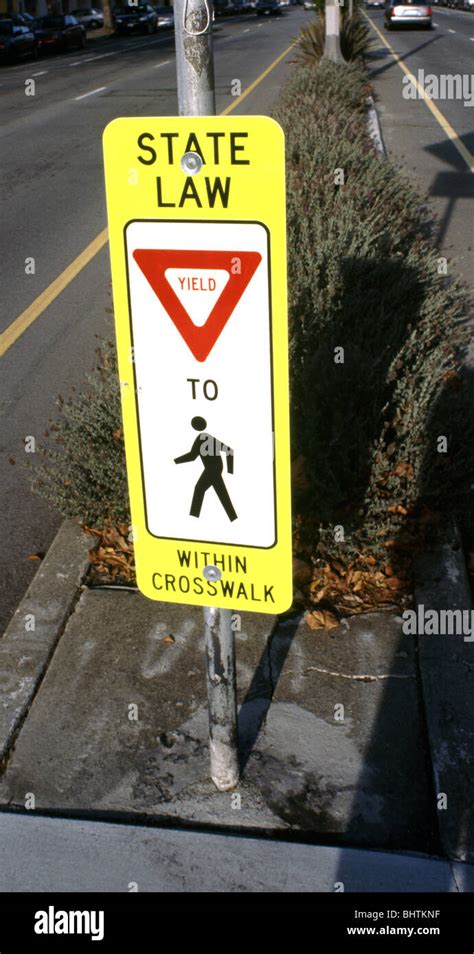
{"type": "Point", "coordinates": [443, 122]}
{"type": "Point", "coordinates": [259, 79]}
{"type": "Point", "coordinates": [43, 301]}
{"type": "Point", "coordinates": [39, 305]}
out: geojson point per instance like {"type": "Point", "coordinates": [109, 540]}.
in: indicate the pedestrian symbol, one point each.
{"type": "Point", "coordinates": [209, 449]}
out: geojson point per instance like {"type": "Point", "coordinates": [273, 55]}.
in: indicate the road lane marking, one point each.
{"type": "Point", "coordinates": [91, 93]}
{"type": "Point", "coordinates": [90, 59]}
{"type": "Point", "coordinates": [100, 56]}
{"type": "Point", "coordinates": [46, 298]}
{"type": "Point", "coordinates": [451, 31]}
{"type": "Point", "coordinates": [247, 30]}
{"type": "Point", "coordinates": [42, 73]}
{"type": "Point", "coordinates": [259, 79]}
{"type": "Point", "coordinates": [440, 118]}
{"type": "Point", "coordinates": [123, 49]}
{"type": "Point", "coordinates": [164, 63]}
{"type": "Point", "coordinates": [39, 305]}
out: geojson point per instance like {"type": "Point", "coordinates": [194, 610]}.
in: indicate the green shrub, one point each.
{"type": "Point", "coordinates": [83, 475]}
{"type": "Point", "coordinates": [363, 276]}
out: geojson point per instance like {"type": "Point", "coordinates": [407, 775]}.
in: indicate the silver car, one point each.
{"type": "Point", "coordinates": [408, 13]}
{"type": "Point", "coordinates": [90, 17]}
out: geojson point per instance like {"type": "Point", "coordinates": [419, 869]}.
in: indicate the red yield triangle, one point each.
{"type": "Point", "coordinates": [200, 340]}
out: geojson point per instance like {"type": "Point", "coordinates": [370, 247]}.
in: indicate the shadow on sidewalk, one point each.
{"type": "Point", "coordinates": [260, 693]}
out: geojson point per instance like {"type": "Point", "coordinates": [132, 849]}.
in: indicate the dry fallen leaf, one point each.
{"type": "Point", "coordinates": [321, 619]}
{"type": "Point", "coordinates": [168, 639]}
{"type": "Point", "coordinates": [403, 470]}
{"type": "Point", "coordinates": [394, 583]}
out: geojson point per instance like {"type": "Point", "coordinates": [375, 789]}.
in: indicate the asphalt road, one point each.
{"type": "Point", "coordinates": [415, 137]}
{"type": "Point", "coordinates": [53, 206]}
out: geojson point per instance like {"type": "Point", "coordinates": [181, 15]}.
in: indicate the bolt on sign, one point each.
{"type": "Point", "coordinates": [196, 209]}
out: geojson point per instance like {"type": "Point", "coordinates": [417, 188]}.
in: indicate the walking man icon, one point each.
{"type": "Point", "coordinates": [209, 449]}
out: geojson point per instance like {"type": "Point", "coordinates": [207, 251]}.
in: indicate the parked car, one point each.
{"type": "Point", "coordinates": [58, 31]}
{"type": "Point", "coordinates": [243, 6]}
{"type": "Point", "coordinates": [223, 8]}
{"type": "Point", "coordinates": [26, 18]}
{"type": "Point", "coordinates": [90, 17]}
{"type": "Point", "coordinates": [408, 13]}
{"type": "Point", "coordinates": [165, 17]}
{"type": "Point", "coordinates": [16, 40]}
{"type": "Point", "coordinates": [375, 3]}
{"type": "Point", "coordinates": [267, 8]}
{"type": "Point", "coordinates": [136, 19]}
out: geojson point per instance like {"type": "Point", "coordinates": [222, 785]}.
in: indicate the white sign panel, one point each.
{"type": "Point", "coordinates": [201, 333]}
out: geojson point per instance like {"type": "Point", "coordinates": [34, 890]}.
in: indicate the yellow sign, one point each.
{"type": "Point", "coordinates": [196, 209]}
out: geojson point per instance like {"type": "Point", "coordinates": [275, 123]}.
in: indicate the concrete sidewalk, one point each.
{"type": "Point", "coordinates": [344, 739]}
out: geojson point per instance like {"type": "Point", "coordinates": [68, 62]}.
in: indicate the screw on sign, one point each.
{"type": "Point", "coordinates": [200, 303]}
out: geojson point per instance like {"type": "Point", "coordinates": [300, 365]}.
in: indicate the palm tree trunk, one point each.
{"type": "Point", "coordinates": [107, 11]}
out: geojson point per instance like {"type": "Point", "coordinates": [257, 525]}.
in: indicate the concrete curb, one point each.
{"type": "Point", "coordinates": [37, 852]}
{"type": "Point", "coordinates": [31, 636]}
{"type": "Point", "coordinates": [375, 131]}
{"type": "Point", "coordinates": [447, 677]}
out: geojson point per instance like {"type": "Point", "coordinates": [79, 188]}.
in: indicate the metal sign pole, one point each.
{"type": "Point", "coordinates": [196, 97]}
{"type": "Point", "coordinates": [194, 57]}
{"type": "Point", "coordinates": [222, 697]}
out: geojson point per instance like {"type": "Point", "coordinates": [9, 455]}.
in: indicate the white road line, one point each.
{"type": "Point", "coordinates": [451, 31]}
{"type": "Point", "coordinates": [247, 30]}
{"type": "Point", "coordinates": [99, 90]}
{"type": "Point", "coordinates": [90, 59]}
{"type": "Point", "coordinates": [43, 73]}
{"type": "Point", "coordinates": [101, 56]}
{"type": "Point", "coordinates": [164, 63]}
